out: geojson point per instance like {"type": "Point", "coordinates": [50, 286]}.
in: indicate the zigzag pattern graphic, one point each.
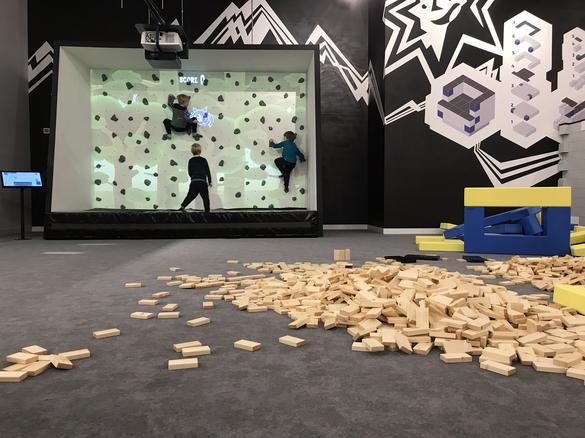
{"type": "Point", "coordinates": [40, 66]}
{"type": "Point", "coordinates": [253, 26]}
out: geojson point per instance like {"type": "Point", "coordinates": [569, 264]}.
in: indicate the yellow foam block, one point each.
{"type": "Point", "coordinates": [578, 250]}
{"type": "Point", "coordinates": [446, 226]}
{"type": "Point", "coordinates": [518, 197]}
{"type": "Point", "coordinates": [579, 228]}
{"type": "Point", "coordinates": [447, 245]}
{"type": "Point", "coordinates": [570, 296]}
{"type": "Point", "coordinates": [577, 237]}
{"type": "Point", "coordinates": [437, 238]}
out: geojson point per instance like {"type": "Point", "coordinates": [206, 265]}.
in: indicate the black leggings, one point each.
{"type": "Point", "coordinates": [197, 188]}
{"type": "Point", "coordinates": [189, 129]}
{"type": "Point", "coordinates": [285, 168]}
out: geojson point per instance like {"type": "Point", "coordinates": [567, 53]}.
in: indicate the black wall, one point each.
{"type": "Point", "coordinates": [427, 172]}
{"type": "Point", "coordinates": [344, 120]}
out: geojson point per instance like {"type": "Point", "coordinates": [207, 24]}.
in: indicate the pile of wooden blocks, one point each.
{"type": "Point", "coordinates": [190, 351]}
{"type": "Point", "coordinates": [394, 307]}
{"type": "Point", "coordinates": [34, 360]}
{"type": "Point", "coordinates": [542, 272]}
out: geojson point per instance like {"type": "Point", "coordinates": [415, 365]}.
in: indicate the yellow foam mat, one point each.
{"type": "Point", "coordinates": [446, 226]}
{"type": "Point", "coordinates": [578, 250]}
{"type": "Point", "coordinates": [518, 197]}
{"type": "Point", "coordinates": [447, 245]}
{"type": "Point", "coordinates": [570, 296]}
{"type": "Point", "coordinates": [437, 238]}
{"type": "Point", "coordinates": [577, 237]}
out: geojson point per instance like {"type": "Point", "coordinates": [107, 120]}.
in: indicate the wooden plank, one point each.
{"type": "Point", "coordinates": [168, 315]}
{"type": "Point", "coordinates": [76, 354]}
{"type": "Point", "coordinates": [244, 344]}
{"type": "Point", "coordinates": [12, 376]}
{"type": "Point", "coordinates": [198, 322]}
{"type": "Point", "coordinates": [35, 349]}
{"type": "Point", "coordinates": [142, 315]}
{"type": "Point", "coordinates": [183, 364]}
{"type": "Point", "coordinates": [291, 341]}
{"type": "Point", "coordinates": [179, 347]}
{"type": "Point", "coordinates": [455, 357]}
{"type": "Point", "coordinates": [201, 350]}
{"type": "Point", "coordinates": [102, 334]}
{"type": "Point", "coordinates": [22, 358]}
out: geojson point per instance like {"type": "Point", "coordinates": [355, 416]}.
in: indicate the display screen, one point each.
{"type": "Point", "coordinates": [136, 164]}
{"type": "Point", "coordinates": [21, 179]}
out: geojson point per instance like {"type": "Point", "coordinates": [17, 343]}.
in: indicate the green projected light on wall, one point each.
{"type": "Point", "coordinates": [134, 166]}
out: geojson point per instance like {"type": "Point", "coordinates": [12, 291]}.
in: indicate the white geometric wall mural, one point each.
{"type": "Point", "coordinates": [526, 108]}
{"type": "Point", "coordinates": [462, 106]}
{"type": "Point", "coordinates": [570, 96]}
{"type": "Point", "coordinates": [527, 98]}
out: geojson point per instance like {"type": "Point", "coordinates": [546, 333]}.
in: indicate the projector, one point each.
{"type": "Point", "coordinates": [160, 41]}
{"type": "Point", "coordinates": [165, 45]}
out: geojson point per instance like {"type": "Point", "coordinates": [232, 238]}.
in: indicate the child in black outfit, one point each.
{"type": "Point", "coordinates": [200, 179]}
{"type": "Point", "coordinates": [182, 120]}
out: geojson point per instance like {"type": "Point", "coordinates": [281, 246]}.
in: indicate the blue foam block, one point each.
{"type": "Point", "coordinates": [555, 238]}
{"type": "Point", "coordinates": [515, 215]}
{"type": "Point", "coordinates": [504, 229]}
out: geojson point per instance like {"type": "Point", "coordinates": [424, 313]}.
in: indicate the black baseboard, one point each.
{"type": "Point", "coordinates": [171, 224]}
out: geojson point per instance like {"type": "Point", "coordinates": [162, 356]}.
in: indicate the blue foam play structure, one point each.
{"type": "Point", "coordinates": [508, 221]}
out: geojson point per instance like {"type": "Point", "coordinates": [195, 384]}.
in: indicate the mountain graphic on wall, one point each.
{"type": "Point", "coordinates": [255, 22]}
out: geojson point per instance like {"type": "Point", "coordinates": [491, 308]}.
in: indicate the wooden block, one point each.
{"type": "Point", "coordinates": [232, 262]}
{"type": "Point", "coordinates": [76, 354]}
{"type": "Point", "coordinates": [453, 323]}
{"type": "Point", "coordinates": [403, 343]}
{"type": "Point", "coordinates": [162, 294]}
{"type": "Point", "coordinates": [102, 334]}
{"type": "Point", "coordinates": [164, 277]}
{"type": "Point", "coordinates": [183, 364]}
{"type": "Point", "coordinates": [542, 350]}
{"type": "Point", "coordinates": [546, 365]}
{"type": "Point", "coordinates": [243, 344]}
{"type": "Point", "coordinates": [298, 323]}
{"type": "Point", "coordinates": [175, 269]}
{"type": "Point", "coordinates": [198, 321]}
{"type": "Point", "coordinates": [148, 302]}
{"type": "Point", "coordinates": [526, 355]}
{"type": "Point", "coordinates": [22, 358]}
{"type": "Point", "coordinates": [567, 360]}
{"type": "Point", "coordinates": [291, 341]}
{"type": "Point", "coordinates": [35, 349]}
{"type": "Point", "coordinates": [61, 362]}
{"type": "Point", "coordinates": [359, 346]}
{"type": "Point", "coordinates": [168, 315]}
{"type": "Point", "coordinates": [12, 376]}
{"type": "Point", "coordinates": [36, 368]}
{"type": "Point", "coordinates": [201, 350]}
{"type": "Point", "coordinates": [532, 338]}
{"type": "Point", "coordinates": [339, 255]}
{"type": "Point", "coordinates": [498, 355]}
{"type": "Point", "coordinates": [576, 373]}
{"type": "Point", "coordinates": [457, 346]}
{"type": "Point", "coordinates": [170, 307]}
{"type": "Point", "coordinates": [179, 347]}
{"type": "Point", "coordinates": [374, 313]}
{"type": "Point", "coordinates": [133, 285]}
{"type": "Point", "coordinates": [498, 368]}
{"type": "Point", "coordinates": [373, 345]}
{"type": "Point", "coordinates": [208, 305]}
{"type": "Point", "coordinates": [423, 348]}
{"type": "Point", "coordinates": [455, 357]}
{"type": "Point", "coordinates": [142, 315]}
{"type": "Point", "coordinates": [16, 367]}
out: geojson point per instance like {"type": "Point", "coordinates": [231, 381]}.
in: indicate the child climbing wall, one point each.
{"type": "Point", "coordinates": [135, 165]}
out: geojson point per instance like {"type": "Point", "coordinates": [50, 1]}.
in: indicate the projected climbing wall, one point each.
{"type": "Point", "coordinates": [135, 165]}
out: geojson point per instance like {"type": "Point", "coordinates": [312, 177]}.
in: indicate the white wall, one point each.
{"type": "Point", "coordinates": [72, 185]}
{"type": "Point", "coordinates": [311, 138]}
{"type": "Point", "coordinates": [14, 143]}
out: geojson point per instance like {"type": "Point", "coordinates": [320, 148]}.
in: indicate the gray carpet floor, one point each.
{"type": "Point", "coordinates": [322, 389]}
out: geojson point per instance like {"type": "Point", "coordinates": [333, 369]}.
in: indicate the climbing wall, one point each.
{"type": "Point", "coordinates": [136, 166]}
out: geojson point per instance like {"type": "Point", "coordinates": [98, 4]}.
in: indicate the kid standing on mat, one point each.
{"type": "Point", "coordinates": [200, 178]}
{"type": "Point", "coordinates": [182, 120]}
{"type": "Point", "coordinates": [288, 161]}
